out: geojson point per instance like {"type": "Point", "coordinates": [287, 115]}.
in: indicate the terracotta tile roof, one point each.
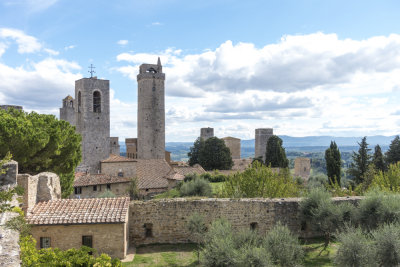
{"type": "Point", "coordinates": [80, 211]}
{"type": "Point", "coordinates": [153, 173]}
{"type": "Point", "coordinates": [118, 158]}
{"type": "Point", "coordinates": [96, 179]}
{"type": "Point", "coordinates": [184, 170]}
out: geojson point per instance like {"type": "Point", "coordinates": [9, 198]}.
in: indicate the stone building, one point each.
{"type": "Point", "coordinates": [151, 112]}
{"type": "Point", "coordinates": [114, 146]}
{"type": "Point", "coordinates": [67, 111]}
{"type": "Point", "coordinates": [100, 223]}
{"type": "Point", "coordinates": [206, 133]}
{"type": "Point", "coordinates": [7, 107]}
{"type": "Point", "coordinates": [91, 108]}
{"type": "Point", "coordinates": [302, 167]}
{"type": "Point", "coordinates": [262, 135]}
{"type": "Point", "coordinates": [87, 185]}
{"type": "Point", "coordinates": [234, 146]}
{"type": "Point", "coordinates": [131, 147]}
{"type": "Point", "coordinates": [117, 165]}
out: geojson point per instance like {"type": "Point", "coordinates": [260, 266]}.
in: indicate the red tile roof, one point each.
{"type": "Point", "coordinates": [79, 211]}
{"type": "Point", "coordinates": [184, 170]}
{"type": "Point", "coordinates": [117, 158]}
{"type": "Point", "coordinates": [96, 179]}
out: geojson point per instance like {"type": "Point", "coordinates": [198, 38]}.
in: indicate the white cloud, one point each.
{"type": "Point", "coordinates": [69, 47]}
{"type": "Point", "coordinates": [123, 42]}
{"type": "Point", "coordinates": [156, 23]}
{"type": "Point", "coordinates": [26, 43]}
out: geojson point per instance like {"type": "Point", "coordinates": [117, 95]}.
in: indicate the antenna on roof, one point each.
{"type": "Point", "coordinates": [91, 71]}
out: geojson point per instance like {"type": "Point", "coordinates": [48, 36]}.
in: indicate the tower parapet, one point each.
{"type": "Point", "coordinates": [206, 133]}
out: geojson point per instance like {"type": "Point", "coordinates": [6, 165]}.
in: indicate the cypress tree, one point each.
{"type": "Point", "coordinates": [393, 154]}
{"type": "Point", "coordinates": [333, 162]}
{"type": "Point", "coordinates": [275, 154]}
{"type": "Point", "coordinates": [361, 161]}
{"type": "Point", "coordinates": [378, 159]}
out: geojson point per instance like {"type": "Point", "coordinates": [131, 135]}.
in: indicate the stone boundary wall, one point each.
{"type": "Point", "coordinates": [164, 221]}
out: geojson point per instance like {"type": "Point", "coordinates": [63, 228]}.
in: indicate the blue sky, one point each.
{"type": "Point", "coordinates": [301, 67]}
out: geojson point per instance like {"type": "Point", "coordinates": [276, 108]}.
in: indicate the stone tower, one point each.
{"type": "Point", "coordinates": [114, 146]}
{"type": "Point", "coordinates": [67, 112]}
{"type": "Point", "coordinates": [151, 112]}
{"type": "Point", "coordinates": [262, 136]}
{"type": "Point", "coordinates": [92, 109]}
{"type": "Point", "coordinates": [234, 146]}
{"type": "Point", "coordinates": [206, 133]}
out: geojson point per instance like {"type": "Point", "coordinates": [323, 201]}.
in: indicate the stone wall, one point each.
{"type": "Point", "coordinates": [114, 146]}
{"type": "Point", "coordinates": [128, 168]}
{"type": "Point", "coordinates": [107, 238]}
{"type": "Point", "coordinates": [119, 190]}
{"type": "Point", "coordinates": [164, 221]}
{"type": "Point", "coordinates": [206, 133]}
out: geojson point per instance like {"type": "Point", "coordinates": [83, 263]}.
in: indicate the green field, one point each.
{"type": "Point", "coordinates": [184, 255]}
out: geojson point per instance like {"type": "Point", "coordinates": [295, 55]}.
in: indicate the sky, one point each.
{"type": "Point", "coordinates": [301, 67]}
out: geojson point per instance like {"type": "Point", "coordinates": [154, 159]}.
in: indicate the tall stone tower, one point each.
{"type": "Point", "coordinates": [67, 112]}
{"type": "Point", "coordinates": [92, 109]}
{"type": "Point", "coordinates": [151, 112]}
{"type": "Point", "coordinates": [262, 136]}
{"type": "Point", "coordinates": [206, 133]}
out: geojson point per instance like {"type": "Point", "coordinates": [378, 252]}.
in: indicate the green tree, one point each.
{"type": "Point", "coordinates": [361, 161]}
{"type": "Point", "coordinates": [39, 143]}
{"type": "Point", "coordinates": [378, 160]}
{"type": "Point", "coordinates": [194, 153]}
{"type": "Point", "coordinates": [275, 155]}
{"type": "Point", "coordinates": [393, 154]}
{"type": "Point", "coordinates": [215, 155]}
{"type": "Point", "coordinates": [197, 228]}
{"type": "Point", "coordinates": [333, 163]}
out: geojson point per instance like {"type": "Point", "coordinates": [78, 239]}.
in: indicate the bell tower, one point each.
{"type": "Point", "coordinates": [151, 112]}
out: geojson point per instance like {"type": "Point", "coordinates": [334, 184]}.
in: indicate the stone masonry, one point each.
{"type": "Point", "coordinates": [67, 111]}
{"type": "Point", "coordinates": [114, 146]}
{"type": "Point", "coordinates": [164, 221]}
{"type": "Point", "coordinates": [131, 148]}
{"type": "Point", "coordinates": [302, 167]}
{"type": "Point", "coordinates": [206, 133]}
{"type": "Point", "coordinates": [262, 136]}
{"type": "Point", "coordinates": [151, 112]}
{"type": "Point", "coordinates": [234, 146]}
{"type": "Point", "coordinates": [92, 109]}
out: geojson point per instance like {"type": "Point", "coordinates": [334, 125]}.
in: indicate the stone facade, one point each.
{"type": "Point", "coordinates": [302, 167]}
{"type": "Point", "coordinates": [131, 148]}
{"type": "Point", "coordinates": [9, 178]}
{"type": "Point", "coordinates": [114, 146]}
{"type": "Point", "coordinates": [107, 238]}
{"type": "Point", "coordinates": [67, 111]}
{"type": "Point", "coordinates": [262, 136]}
{"type": "Point", "coordinates": [151, 112]}
{"type": "Point", "coordinates": [6, 107]}
{"type": "Point", "coordinates": [127, 168]}
{"type": "Point", "coordinates": [206, 133]}
{"type": "Point", "coordinates": [92, 191]}
{"type": "Point", "coordinates": [234, 146]}
{"type": "Point", "coordinates": [92, 109]}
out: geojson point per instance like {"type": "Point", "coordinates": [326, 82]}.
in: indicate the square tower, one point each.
{"type": "Point", "coordinates": [92, 110]}
{"type": "Point", "coordinates": [151, 112]}
{"type": "Point", "coordinates": [262, 136]}
{"type": "Point", "coordinates": [67, 112]}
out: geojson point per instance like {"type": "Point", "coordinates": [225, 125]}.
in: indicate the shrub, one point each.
{"type": "Point", "coordinates": [252, 256]}
{"type": "Point", "coordinates": [347, 214]}
{"type": "Point", "coordinates": [260, 181]}
{"type": "Point", "coordinates": [388, 181]}
{"type": "Point", "coordinates": [355, 249]}
{"type": "Point", "coordinates": [196, 187]}
{"type": "Point", "coordinates": [387, 245]}
{"type": "Point", "coordinates": [283, 247]}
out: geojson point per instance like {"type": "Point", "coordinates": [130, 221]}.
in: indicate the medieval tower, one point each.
{"type": "Point", "coordinates": [206, 133]}
{"type": "Point", "coordinates": [67, 112]}
{"type": "Point", "coordinates": [262, 136]}
{"type": "Point", "coordinates": [92, 110]}
{"type": "Point", "coordinates": [151, 112]}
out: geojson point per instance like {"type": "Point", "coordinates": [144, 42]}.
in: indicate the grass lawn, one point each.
{"type": "Point", "coordinates": [165, 255]}
{"type": "Point", "coordinates": [184, 255]}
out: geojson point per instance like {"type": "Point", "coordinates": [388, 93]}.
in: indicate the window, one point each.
{"type": "Point", "coordinates": [108, 187]}
{"type": "Point", "coordinates": [45, 242]}
{"type": "Point", "coordinates": [120, 174]}
{"type": "Point", "coordinates": [87, 240]}
{"type": "Point", "coordinates": [79, 101]}
{"type": "Point", "coordinates": [96, 102]}
{"type": "Point", "coordinates": [148, 229]}
{"type": "Point", "coordinates": [253, 226]}
{"type": "Point", "coordinates": [78, 190]}
{"type": "Point", "coordinates": [95, 188]}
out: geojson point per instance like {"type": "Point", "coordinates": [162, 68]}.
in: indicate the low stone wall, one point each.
{"type": "Point", "coordinates": [164, 221]}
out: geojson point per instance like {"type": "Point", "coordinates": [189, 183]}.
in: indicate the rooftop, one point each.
{"type": "Point", "coordinates": [79, 211]}
{"type": "Point", "coordinates": [117, 158]}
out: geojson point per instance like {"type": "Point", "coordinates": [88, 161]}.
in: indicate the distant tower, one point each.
{"type": "Point", "coordinates": [92, 108]}
{"type": "Point", "coordinates": [131, 148]}
{"type": "Point", "coordinates": [67, 112]}
{"type": "Point", "coordinates": [114, 146]}
{"type": "Point", "coordinates": [262, 136]}
{"type": "Point", "coordinates": [234, 146]}
{"type": "Point", "coordinates": [206, 133]}
{"type": "Point", "coordinates": [151, 112]}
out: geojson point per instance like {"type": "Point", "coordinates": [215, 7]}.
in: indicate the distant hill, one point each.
{"type": "Point", "coordinates": [179, 150]}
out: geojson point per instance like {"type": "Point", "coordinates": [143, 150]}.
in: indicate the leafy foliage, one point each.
{"type": "Point", "coordinates": [133, 188]}
{"type": "Point", "coordinates": [197, 229]}
{"type": "Point", "coordinates": [361, 161]}
{"type": "Point", "coordinates": [333, 162]}
{"type": "Point", "coordinates": [40, 143]}
{"type": "Point", "coordinates": [388, 181]}
{"type": "Point", "coordinates": [387, 245]}
{"type": "Point", "coordinates": [393, 154]}
{"type": "Point", "coordinates": [378, 159]}
{"type": "Point", "coordinates": [194, 153]}
{"type": "Point", "coordinates": [30, 256]}
{"type": "Point", "coordinates": [260, 181]}
{"type": "Point", "coordinates": [196, 187]}
{"type": "Point", "coordinates": [275, 155]}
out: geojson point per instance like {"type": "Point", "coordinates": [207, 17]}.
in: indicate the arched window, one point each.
{"type": "Point", "coordinates": [96, 102]}
{"type": "Point", "coordinates": [79, 101]}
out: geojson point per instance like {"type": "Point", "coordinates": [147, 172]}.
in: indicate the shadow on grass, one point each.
{"type": "Point", "coordinates": [312, 249]}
